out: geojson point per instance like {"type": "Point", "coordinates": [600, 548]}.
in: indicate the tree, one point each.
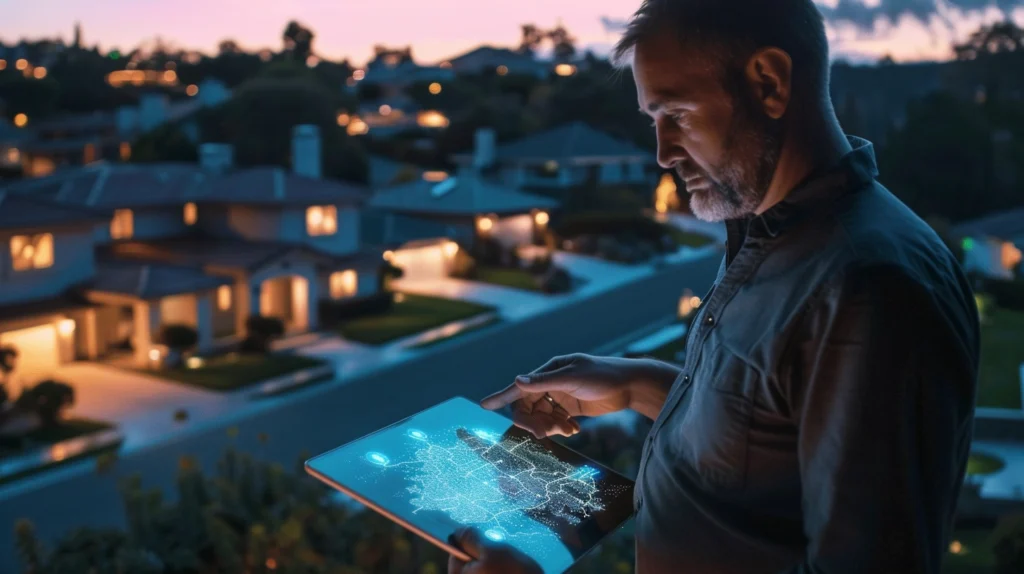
{"type": "Point", "coordinates": [165, 143]}
{"type": "Point", "coordinates": [563, 44]}
{"type": "Point", "coordinates": [228, 47]}
{"type": "Point", "coordinates": [531, 39]}
{"type": "Point", "coordinates": [998, 38]}
{"type": "Point", "coordinates": [298, 41]}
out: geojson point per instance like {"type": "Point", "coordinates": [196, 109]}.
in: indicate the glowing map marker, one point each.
{"type": "Point", "coordinates": [494, 535]}
{"type": "Point", "coordinates": [417, 434]}
{"type": "Point", "coordinates": [484, 435]}
{"type": "Point", "coordinates": [377, 458]}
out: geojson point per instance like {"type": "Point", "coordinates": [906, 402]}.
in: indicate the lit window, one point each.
{"type": "Point", "coordinates": [1010, 256]}
{"type": "Point", "coordinates": [224, 297]}
{"type": "Point", "coordinates": [322, 220]}
{"type": "Point", "coordinates": [191, 213]}
{"type": "Point", "coordinates": [123, 224]}
{"type": "Point", "coordinates": [88, 154]}
{"type": "Point", "coordinates": [31, 251]}
{"type": "Point", "coordinates": [343, 284]}
{"type": "Point", "coordinates": [126, 151]}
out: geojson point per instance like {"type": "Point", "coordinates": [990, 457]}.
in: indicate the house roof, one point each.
{"type": "Point", "coordinates": [160, 184]}
{"type": "Point", "coordinates": [465, 194]}
{"type": "Point", "coordinates": [504, 54]}
{"type": "Point", "coordinates": [149, 280]}
{"type": "Point", "coordinates": [1007, 225]}
{"type": "Point", "coordinates": [567, 142]}
{"type": "Point", "coordinates": [63, 303]}
{"type": "Point", "coordinates": [18, 211]}
{"type": "Point", "coordinates": [230, 253]}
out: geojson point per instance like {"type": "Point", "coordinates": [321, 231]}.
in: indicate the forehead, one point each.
{"type": "Point", "coordinates": [666, 69]}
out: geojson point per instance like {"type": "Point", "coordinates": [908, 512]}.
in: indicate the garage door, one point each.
{"type": "Point", "coordinates": [38, 355]}
{"type": "Point", "coordinates": [420, 263]}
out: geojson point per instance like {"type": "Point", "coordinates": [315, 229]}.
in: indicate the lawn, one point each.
{"type": "Point", "coordinates": [515, 278]}
{"type": "Point", "coordinates": [981, 464]}
{"type": "Point", "coordinates": [44, 437]}
{"type": "Point", "coordinates": [483, 325]}
{"type": "Point", "coordinates": [414, 314]}
{"type": "Point", "coordinates": [974, 554]}
{"type": "Point", "coordinates": [687, 239]}
{"type": "Point", "coordinates": [1002, 352]}
{"type": "Point", "coordinates": [234, 371]}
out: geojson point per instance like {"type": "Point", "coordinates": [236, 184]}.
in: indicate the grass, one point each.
{"type": "Point", "coordinates": [490, 321]}
{"type": "Point", "coordinates": [235, 371]}
{"type": "Point", "coordinates": [414, 314]}
{"type": "Point", "coordinates": [687, 239]}
{"type": "Point", "coordinates": [975, 555]}
{"type": "Point", "coordinates": [515, 278]}
{"type": "Point", "coordinates": [982, 464]}
{"type": "Point", "coordinates": [43, 437]}
{"type": "Point", "coordinates": [1002, 352]}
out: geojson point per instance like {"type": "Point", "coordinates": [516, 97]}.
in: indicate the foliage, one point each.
{"type": "Point", "coordinates": [556, 280]}
{"type": "Point", "coordinates": [248, 516]}
{"type": "Point", "coordinates": [260, 331]}
{"type": "Point", "coordinates": [179, 337]}
{"type": "Point", "coordinates": [1002, 353]}
{"type": "Point", "coordinates": [333, 312]}
{"type": "Point", "coordinates": [1006, 293]}
{"type": "Point", "coordinates": [35, 98]}
{"type": "Point", "coordinates": [165, 143]}
{"type": "Point", "coordinates": [48, 400]}
{"type": "Point", "coordinates": [996, 38]}
{"type": "Point", "coordinates": [298, 41]}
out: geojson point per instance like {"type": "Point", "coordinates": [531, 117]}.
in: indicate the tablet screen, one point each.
{"type": "Point", "coordinates": [458, 464]}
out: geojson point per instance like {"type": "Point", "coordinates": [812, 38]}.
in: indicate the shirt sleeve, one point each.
{"type": "Point", "coordinates": [882, 391]}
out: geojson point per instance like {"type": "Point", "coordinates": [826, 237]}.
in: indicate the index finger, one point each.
{"type": "Point", "coordinates": [504, 397]}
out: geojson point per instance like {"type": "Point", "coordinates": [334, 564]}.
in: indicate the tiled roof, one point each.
{"type": "Point", "coordinates": [567, 142]}
{"type": "Point", "coordinates": [139, 185]}
{"type": "Point", "coordinates": [461, 195]}
{"type": "Point", "coordinates": [1006, 225]}
{"type": "Point", "coordinates": [148, 280]}
{"type": "Point", "coordinates": [18, 211]}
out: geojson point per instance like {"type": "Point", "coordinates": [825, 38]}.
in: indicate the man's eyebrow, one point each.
{"type": "Point", "coordinates": [652, 108]}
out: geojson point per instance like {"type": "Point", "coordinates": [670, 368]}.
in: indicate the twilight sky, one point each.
{"type": "Point", "coordinates": [907, 29]}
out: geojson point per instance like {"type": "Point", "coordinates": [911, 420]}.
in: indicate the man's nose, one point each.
{"type": "Point", "coordinates": [669, 151]}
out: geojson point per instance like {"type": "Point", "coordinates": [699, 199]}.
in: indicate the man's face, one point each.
{"type": "Point", "coordinates": [719, 140]}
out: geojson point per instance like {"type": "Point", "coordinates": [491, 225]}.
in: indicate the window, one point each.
{"type": "Point", "coordinates": [123, 225]}
{"type": "Point", "coordinates": [343, 284]}
{"type": "Point", "coordinates": [191, 213]}
{"type": "Point", "coordinates": [224, 297]}
{"type": "Point", "coordinates": [322, 220]}
{"type": "Point", "coordinates": [31, 251]}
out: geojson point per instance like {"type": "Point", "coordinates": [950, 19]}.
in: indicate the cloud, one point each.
{"type": "Point", "coordinates": [862, 16]}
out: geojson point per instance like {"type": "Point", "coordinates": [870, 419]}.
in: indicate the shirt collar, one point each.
{"type": "Point", "coordinates": [853, 171]}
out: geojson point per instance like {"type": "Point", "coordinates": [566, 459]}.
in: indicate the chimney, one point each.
{"type": "Point", "coordinates": [306, 151]}
{"type": "Point", "coordinates": [216, 157]}
{"type": "Point", "coordinates": [152, 111]}
{"type": "Point", "coordinates": [483, 149]}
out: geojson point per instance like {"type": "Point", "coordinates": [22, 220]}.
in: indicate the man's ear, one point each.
{"type": "Point", "coordinates": [769, 73]}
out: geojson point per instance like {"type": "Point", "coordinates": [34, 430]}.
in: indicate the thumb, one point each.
{"type": "Point", "coordinates": [560, 379]}
{"type": "Point", "coordinates": [468, 539]}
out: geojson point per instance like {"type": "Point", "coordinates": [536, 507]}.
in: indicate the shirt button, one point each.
{"type": "Point", "coordinates": [710, 320]}
{"type": "Point", "coordinates": [686, 378]}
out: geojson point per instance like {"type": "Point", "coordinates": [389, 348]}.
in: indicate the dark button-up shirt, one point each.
{"type": "Point", "coordinates": [823, 415]}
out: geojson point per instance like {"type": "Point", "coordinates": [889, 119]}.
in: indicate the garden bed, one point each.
{"type": "Point", "coordinates": [506, 277]}
{"type": "Point", "coordinates": [410, 315]}
{"type": "Point", "coordinates": [236, 370]}
{"type": "Point", "coordinates": [981, 464]}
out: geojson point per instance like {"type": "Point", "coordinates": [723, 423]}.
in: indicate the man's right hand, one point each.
{"type": "Point", "coordinates": [581, 385]}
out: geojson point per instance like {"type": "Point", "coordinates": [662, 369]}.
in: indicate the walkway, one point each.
{"type": "Point", "coordinates": [1008, 482]}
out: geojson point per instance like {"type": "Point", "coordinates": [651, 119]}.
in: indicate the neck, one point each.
{"type": "Point", "coordinates": [807, 147]}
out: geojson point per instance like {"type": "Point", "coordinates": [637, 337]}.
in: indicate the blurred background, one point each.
{"type": "Point", "coordinates": [237, 234]}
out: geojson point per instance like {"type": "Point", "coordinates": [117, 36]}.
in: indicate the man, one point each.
{"type": "Point", "coordinates": [822, 418]}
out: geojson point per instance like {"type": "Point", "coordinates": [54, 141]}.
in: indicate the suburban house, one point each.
{"type": "Point", "coordinates": [392, 115]}
{"type": "Point", "coordinates": [424, 221]}
{"type": "Point", "coordinates": [501, 61]}
{"type": "Point", "coordinates": [992, 244]}
{"type": "Point", "coordinates": [570, 155]}
{"type": "Point", "coordinates": [393, 69]}
{"type": "Point", "coordinates": [100, 258]}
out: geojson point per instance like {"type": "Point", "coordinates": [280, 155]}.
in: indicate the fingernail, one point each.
{"type": "Point", "coordinates": [523, 378]}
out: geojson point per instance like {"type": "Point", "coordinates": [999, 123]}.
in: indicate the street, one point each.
{"type": "Point", "coordinates": [325, 416]}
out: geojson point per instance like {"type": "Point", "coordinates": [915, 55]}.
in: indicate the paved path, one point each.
{"type": "Point", "coordinates": [1008, 482]}
{"type": "Point", "coordinates": [322, 416]}
{"type": "Point", "coordinates": [511, 303]}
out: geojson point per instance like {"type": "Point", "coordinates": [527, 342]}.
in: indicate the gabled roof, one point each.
{"type": "Point", "coordinates": [149, 280]}
{"type": "Point", "coordinates": [229, 253]}
{"type": "Point", "coordinates": [114, 186]}
{"type": "Point", "coordinates": [18, 211]}
{"type": "Point", "coordinates": [462, 195]}
{"type": "Point", "coordinates": [497, 53]}
{"type": "Point", "coordinates": [1006, 225]}
{"type": "Point", "coordinates": [572, 141]}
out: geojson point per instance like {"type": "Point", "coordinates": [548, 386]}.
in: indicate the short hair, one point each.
{"type": "Point", "coordinates": [730, 31]}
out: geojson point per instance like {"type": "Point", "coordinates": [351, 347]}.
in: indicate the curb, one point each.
{"type": "Point", "coordinates": [291, 381]}
{"type": "Point", "coordinates": [59, 452]}
{"type": "Point", "coordinates": [446, 331]}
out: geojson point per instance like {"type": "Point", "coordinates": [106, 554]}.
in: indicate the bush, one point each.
{"type": "Point", "coordinates": [487, 251]}
{"type": "Point", "coordinates": [639, 226]}
{"type": "Point", "coordinates": [556, 280]}
{"type": "Point", "coordinates": [179, 337]}
{"type": "Point", "coordinates": [260, 332]}
{"type": "Point", "coordinates": [540, 265]}
{"type": "Point", "coordinates": [332, 312]}
{"type": "Point", "coordinates": [48, 400]}
{"type": "Point", "coordinates": [463, 265]}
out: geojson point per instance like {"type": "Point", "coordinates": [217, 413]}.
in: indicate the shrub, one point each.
{"type": "Point", "coordinates": [48, 400]}
{"type": "Point", "coordinates": [260, 332]}
{"type": "Point", "coordinates": [599, 223]}
{"type": "Point", "coordinates": [556, 280]}
{"type": "Point", "coordinates": [463, 265]}
{"type": "Point", "coordinates": [540, 265]}
{"type": "Point", "coordinates": [487, 251]}
{"type": "Point", "coordinates": [179, 337]}
{"type": "Point", "coordinates": [332, 312]}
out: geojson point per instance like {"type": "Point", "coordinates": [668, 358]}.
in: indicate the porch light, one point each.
{"type": "Point", "coordinates": [66, 327]}
{"type": "Point", "coordinates": [194, 362]}
{"type": "Point", "coordinates": [435, 88]}
{"type": "Point", "coordinates": [565, 69]}
{"type": "Point", "coordinates": [541, 218]}
{"type": "Point", "coordinates": [484, 224]}
{"type": "Point", "coordinates": [450, 249]}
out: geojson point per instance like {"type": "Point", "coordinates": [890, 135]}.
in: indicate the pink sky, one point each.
{"type": "Point", "coordinates": [349, 28]}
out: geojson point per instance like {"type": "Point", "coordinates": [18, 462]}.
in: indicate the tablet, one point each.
{"type": "Point", "coordinates": [458, 464]}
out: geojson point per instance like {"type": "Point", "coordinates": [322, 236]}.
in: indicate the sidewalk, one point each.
{"type": "Point", "coordinates": [1008, 482]}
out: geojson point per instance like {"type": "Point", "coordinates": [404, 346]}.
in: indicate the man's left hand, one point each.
{"type": "Point", "coordinates": [489, 557]}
